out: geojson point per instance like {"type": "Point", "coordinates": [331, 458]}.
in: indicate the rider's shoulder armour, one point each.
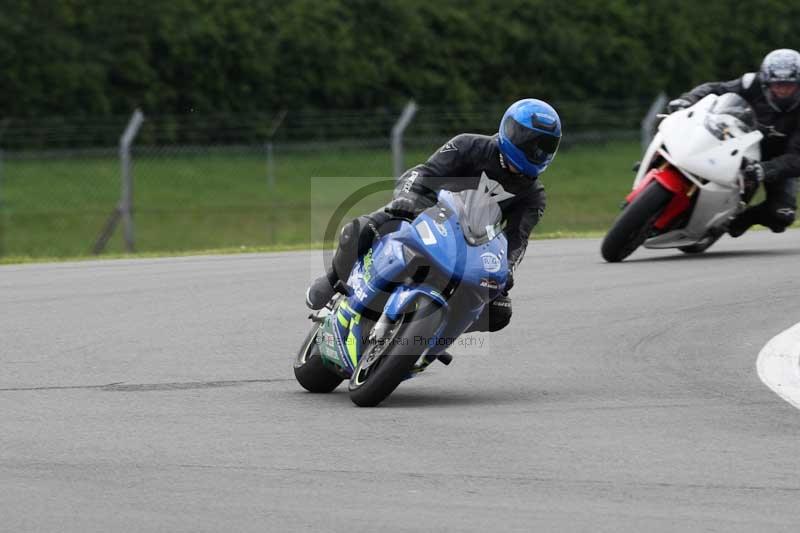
{"type": "Point", "coordinates": [748, 79]}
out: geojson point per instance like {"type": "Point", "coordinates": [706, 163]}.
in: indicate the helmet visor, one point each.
{"type": "Point", "coordinates": [537, 146]}
{"type": "Point", "coordinates": [783, 89]}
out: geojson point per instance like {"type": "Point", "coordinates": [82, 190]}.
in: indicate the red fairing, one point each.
{"type": "Point", "coordinates": [645, 182]}
{"type": "Point", "coordinates": [672, 180]}
{"type": "Point", "coordinates": [679, 203]}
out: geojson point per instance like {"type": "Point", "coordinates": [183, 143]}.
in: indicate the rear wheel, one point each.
{"type": "Point", "coordinates": [390, 360]}
{"type": "Point", "coordinates": [635, 223]}
{"type": "Point", "coordinates": [309, 368]}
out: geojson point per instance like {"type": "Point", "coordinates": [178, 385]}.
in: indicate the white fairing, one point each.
{"type": "Point", "coordinates": [711, 163]}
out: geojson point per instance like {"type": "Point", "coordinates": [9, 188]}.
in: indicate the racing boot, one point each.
{"type": "Point", "coordinates": [742, 223]}
{"type": "Point", "coordinates": [319, 293]}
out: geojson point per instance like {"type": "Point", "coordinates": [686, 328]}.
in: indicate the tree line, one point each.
{"type": "Point", "coordinates": [104, 58]}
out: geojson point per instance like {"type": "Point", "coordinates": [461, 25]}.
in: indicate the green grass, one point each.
{"type": "Point", "coordinates": [56, 207]}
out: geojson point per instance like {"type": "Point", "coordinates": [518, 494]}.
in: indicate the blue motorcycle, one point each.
{"type": "Point", "coordinates": [421, 285]}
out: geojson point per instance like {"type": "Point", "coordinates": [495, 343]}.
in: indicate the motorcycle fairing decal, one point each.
{"type": "Point", "coordinates": [329, 345]}
{"type": "Point", "coordinates": [360, 282]}
{"type": "Point", "coordinates": [343, 350]}
{"type": "Point", "coordinates": [425, 232]}
{"type": "Point", "coordinates": [491, 263]}
{"type": "Point", "coordinates": [346, 334]}
{"type": "Point", "coordinates": [352, 340]}
{"type": "Point", "coordinates": [368, 266]}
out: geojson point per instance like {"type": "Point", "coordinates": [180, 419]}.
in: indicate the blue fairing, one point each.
{"type": "Point", "coordinates": [437, 239]}
{"type": "Point", "coordinates": [400, 299]}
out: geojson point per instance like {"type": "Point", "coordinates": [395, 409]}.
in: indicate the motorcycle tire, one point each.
{"type": "Point", "coordinates": [635, 223]}
{"type": "Point", "coordinates": [399, 353]}
{"type": "Point", "coordinates": [309, 368]}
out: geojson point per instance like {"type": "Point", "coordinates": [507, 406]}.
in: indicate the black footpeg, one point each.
{"type": "Point", "coordinates": [445, 358]}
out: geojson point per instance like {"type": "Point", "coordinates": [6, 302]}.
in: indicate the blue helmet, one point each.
{"type": "Point", "coordinates": [530, 132]}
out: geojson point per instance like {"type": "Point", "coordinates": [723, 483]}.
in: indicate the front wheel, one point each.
{"type": "Point", "coordinates": [390, 360]}
{"type": "Point", "coordinates": [309, 369]}
{"type": "Point", "coordinates": [635, 223]}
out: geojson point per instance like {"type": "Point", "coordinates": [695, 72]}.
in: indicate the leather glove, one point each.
{"type": "Point", "coordinates": [753, 174]}
{"type": "Point", "coordinates": [678, 104]}
{"type": "Point", "coordinates": [402, 207]}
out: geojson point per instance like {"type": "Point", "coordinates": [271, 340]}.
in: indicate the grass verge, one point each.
{"type": "Point", "coordinates": [55, 207]}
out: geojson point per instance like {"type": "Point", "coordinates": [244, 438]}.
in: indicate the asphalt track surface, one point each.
{"type": "Point", "coordinates": [158, 395]}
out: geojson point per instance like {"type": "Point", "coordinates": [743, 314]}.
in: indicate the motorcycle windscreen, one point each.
{"type": "Point", "coordinates": [479, 215]}
{"type": "Point", "coordinates": [730, 116]}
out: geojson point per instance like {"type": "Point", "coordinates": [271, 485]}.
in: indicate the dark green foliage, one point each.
{"type": "Point", "coordinates": [103, 58]}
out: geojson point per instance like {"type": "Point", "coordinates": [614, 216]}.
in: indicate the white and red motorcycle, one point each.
{"type": "Point", "coordinates": [689, 185]}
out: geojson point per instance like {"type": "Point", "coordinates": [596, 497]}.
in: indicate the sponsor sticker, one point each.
{"type": "Point", "coordinates": [489, 283]}
{"type": "Point", "coordinates": [425, 233]}
{"type": "Point", "coordinates": [491, 263]}
{"type": "Point", "coordinates": [449, 147]}
{"type": "Point", "coordinates": [410, 181]}
{"type": "Point", "coordinates": [328, 339]}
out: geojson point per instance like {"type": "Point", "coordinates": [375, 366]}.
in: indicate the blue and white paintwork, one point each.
{"type": "Point", "coordinates": [436, 235]}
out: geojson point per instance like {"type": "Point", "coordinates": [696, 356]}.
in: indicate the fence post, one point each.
{"type": "Point", "coordinates": [3, 125]}
{"type": "Point", "coordinates": [397, 136]}
{"type": "Point", "coordinates": [276, 123]}
{"type": "Point", "coordinates": [649, 120]}
{"type": "Point", "coordinates": [2, 214]}
{"type": "Point", "coordinates": [270, 165]}
{"type": "Point", "coordinates": [126, 200]}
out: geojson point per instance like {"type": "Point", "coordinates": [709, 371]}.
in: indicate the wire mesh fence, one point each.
{"type": "Point", "coordinates": [225, 180]}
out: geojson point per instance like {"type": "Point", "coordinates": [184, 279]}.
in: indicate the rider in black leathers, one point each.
{"type": "Point", "coordinates": [774, 94]}
{"type": "Point", "coordinates": [459, 165]}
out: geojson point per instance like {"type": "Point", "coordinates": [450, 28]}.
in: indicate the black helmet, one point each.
{"type": "Point", "coordinates": [780, 79]}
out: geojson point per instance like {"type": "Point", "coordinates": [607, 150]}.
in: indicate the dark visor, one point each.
{"type": "Point", "coordinates": [536, 145]}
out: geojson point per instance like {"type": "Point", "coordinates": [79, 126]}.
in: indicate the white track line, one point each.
{"type": "Point", "coordinates": [779, 365]}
